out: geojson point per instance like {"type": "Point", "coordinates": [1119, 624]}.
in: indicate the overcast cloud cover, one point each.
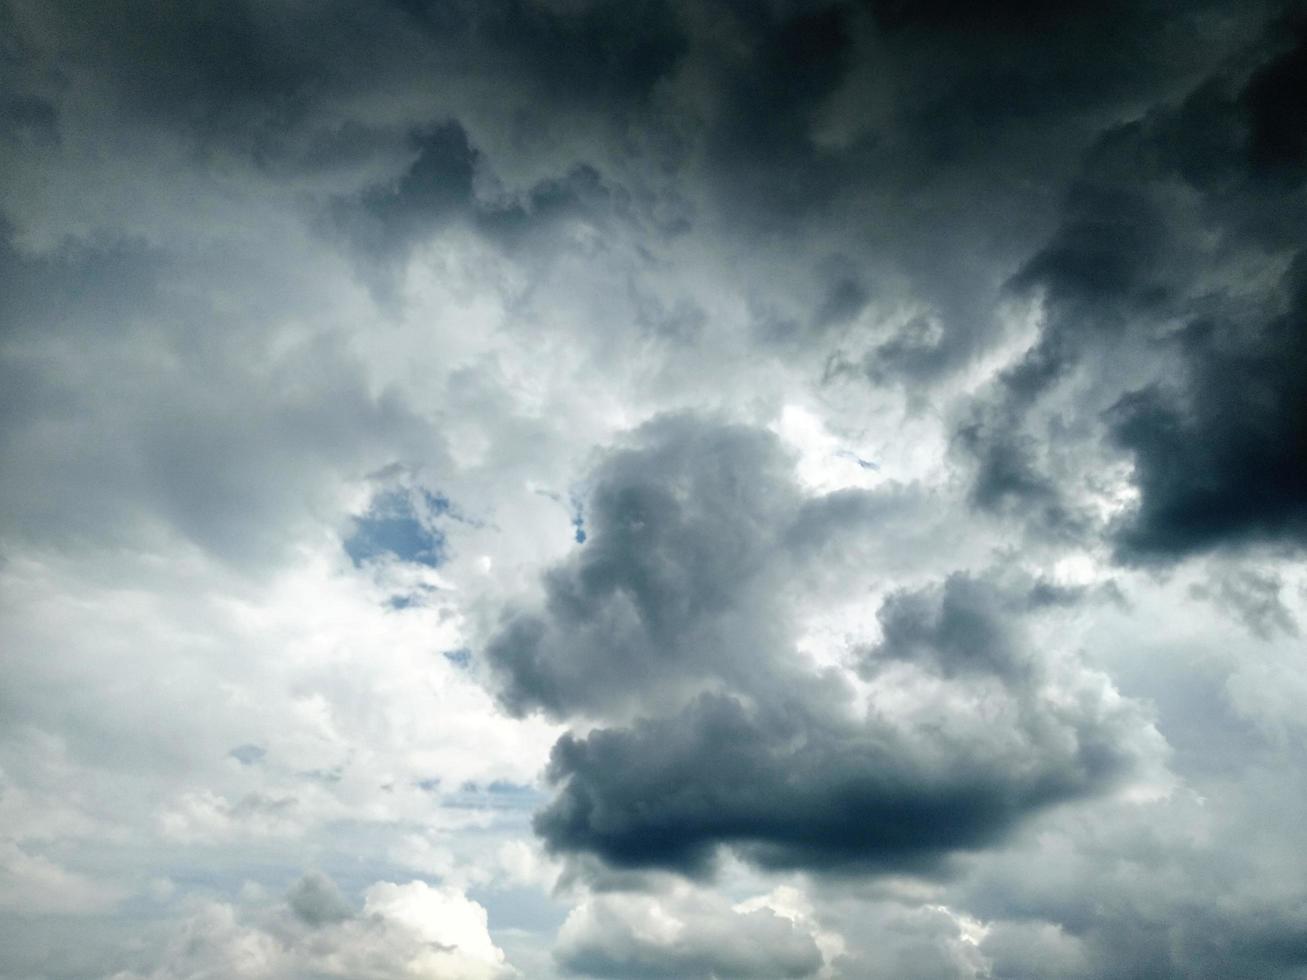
{"type": "Point", "coordinates": [731, 489]}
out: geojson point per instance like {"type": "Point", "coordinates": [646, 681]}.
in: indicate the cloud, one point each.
{"type": "Point", "coordinates": [316, 900]}
{"type": "Point", "coordinates": [1189, 356]}
{"type": "Point", "coordinates": [676, 610]}
{"type": "Point", "coordinates": [1253, 597]}
{"type": "Point", "coordinates": [862, 439]}
{"type": "Point", "coordinates": [411, 930]}
{"type": "Point", "coordinates": [682, 526]}
{"type": "Point", "coordinates": [32, 885]}
{"type": "Point", "coordinates": [1214, 467]}
{"type": "Point", "coordinates": [240, 446]}
{"type": "Point", "coordinates": [685, 934]}
{"type": "Point", "coordinates": [787, 790]}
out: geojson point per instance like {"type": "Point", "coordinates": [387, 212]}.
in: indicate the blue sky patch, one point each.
{"type": "Point", "coordinates": [399, 524]}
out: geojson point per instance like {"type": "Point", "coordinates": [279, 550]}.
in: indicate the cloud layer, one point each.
{"type": "Point", "coordinates": [794, 488]}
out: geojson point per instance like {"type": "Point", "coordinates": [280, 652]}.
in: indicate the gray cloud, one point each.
{"type": "Point", "coordinates": [1220, 460]}
{"type": "Point", "coordinates": [96, 344]}
{"type": "Point", "coordinates": [1207, 398]}
{"type": "Point", "coordinates": [788, 790]}
{"type": "Point", "coordinates": [1253, 597]}
{"type": "Point", "coordinates": [681, 587]}
{"type": "Point", "coordinates": [316, 900]}
{"type": "Point", "coordinates": [681, 527]}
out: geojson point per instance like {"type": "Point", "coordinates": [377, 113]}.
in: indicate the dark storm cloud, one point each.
{"type": "Point", "coordinates": [27, 117]}
{"type": "Point", "coordinates": [437, 187]}
{"type": "Point", "coordinates": [450, 184]}
{"type": "Point", "coordinates": [966, 78]}
{"type": "Point", "coordinates": [608, 54]}
{"type": "Point", "coordinates": [1277, 145]}
{"type": "Point", "coordinates": [761, 146]}
{"type": "Point", "coordinates": [1168, 217]}
{"type": "Point", "coordinates": [925, 144]}
{"type": "Point", "coordinates": [237, 75]}
{"type": "Point", "coordinates": [677, 609]}
{"type": "Point", "coordinates": [248, 65]}
{"type": "Point", "coordinates": [929, 142]}
{"type": "Point", "coordinates": [1223, 459]}
{"type": "Point", "coordinates": [254, 78]}
{"type": "Point", "coordinates": [789, 787]}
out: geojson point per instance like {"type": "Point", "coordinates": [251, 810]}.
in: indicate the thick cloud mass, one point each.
{"type": "Point", "coordinates": [667, 592]}
{"type": "Point", "coordinates": [685, 583]}
{"type": "Point", "coordinates": [1225, 457]}
{"type": "Point", "coordinates": [793, 792]}
{"type": "Point", "coordinates": [1150, 268]}
{"type": "Point", "coordinates": [675, 488]}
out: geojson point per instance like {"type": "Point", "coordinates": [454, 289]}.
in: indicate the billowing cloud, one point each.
{"type": "Point", "coordinates": [677, 611]}
{"type": "Point", "coordinates": [410, 930]}
{"type": "Point", "coordinates": [1149, 293]}
{"type": "Point", "coordinates": [685, 934]}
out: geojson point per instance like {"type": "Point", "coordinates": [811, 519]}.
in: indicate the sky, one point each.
{"type": "Point", "coordinates": [688, 489]}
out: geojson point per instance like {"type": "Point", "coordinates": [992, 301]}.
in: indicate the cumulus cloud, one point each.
{"type": "Point", "coordinates": [679, 600]}
{"type": "Point", "coordinates": [683, 526]}
{"type": "Point", "coordinates": [682, 933]}
{"type": "Point", "coordinates": [411, 930]}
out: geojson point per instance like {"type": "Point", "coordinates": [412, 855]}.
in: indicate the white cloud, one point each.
{"type": "Point", "coordinates": [684, 932]}
{"type": "Point", "coordinates": [404, 932]}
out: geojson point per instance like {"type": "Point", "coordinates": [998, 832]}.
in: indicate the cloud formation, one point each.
{"type": "Point", "coordinates": [778, 488]}
{"type": "Point", "coordinates": [681, 933]}
{"type": "Point", "coordinates": [676, 611]}
{"type": "Point", "coordinates": [410, 930]}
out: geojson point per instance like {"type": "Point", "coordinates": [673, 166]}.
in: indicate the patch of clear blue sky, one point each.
{"type": "Point", "coordinates": [399, 523]}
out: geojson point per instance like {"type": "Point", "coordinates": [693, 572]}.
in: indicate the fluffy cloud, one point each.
{"type": "Point", "coordinates": [681, 604]}
{"type": "Point", "coordinates": [410, 930]}
{"type": "Point", "coordinates": [683, 933]}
